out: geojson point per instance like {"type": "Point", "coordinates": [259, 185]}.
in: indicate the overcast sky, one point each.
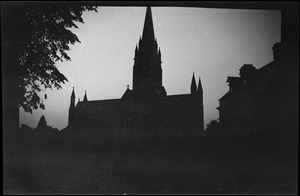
{"type": "Point", "coordinates": [213, 43]}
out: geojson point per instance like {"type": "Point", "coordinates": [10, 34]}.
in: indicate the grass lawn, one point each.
{"type": "Point", "coordinates": [214, 165]}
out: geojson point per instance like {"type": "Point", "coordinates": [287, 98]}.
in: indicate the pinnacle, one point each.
{"type": "Point", "coordinates": [148, 32]}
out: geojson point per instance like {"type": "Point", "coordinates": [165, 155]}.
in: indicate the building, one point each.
{"type": "Point", "coordinates": [265, 99]}
{"type": "Point", "coordinates": [145, 110]}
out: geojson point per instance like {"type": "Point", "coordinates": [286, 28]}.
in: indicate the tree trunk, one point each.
{"type": "Point", "coordinates": [10, 44]}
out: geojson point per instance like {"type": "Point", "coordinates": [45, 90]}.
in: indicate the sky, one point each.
{"type": "Point", "coordinates": [212, 43]}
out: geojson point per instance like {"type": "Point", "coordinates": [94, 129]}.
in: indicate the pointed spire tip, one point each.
{"type": "Point", "coordinates": [148, 31]}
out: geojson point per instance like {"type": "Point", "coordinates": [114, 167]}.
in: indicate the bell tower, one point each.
{"type": "Point", "coordinates": [147, 71]}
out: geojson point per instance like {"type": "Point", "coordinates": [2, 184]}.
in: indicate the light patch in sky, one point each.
{"type": "Point", "coordinates": [213, 43]}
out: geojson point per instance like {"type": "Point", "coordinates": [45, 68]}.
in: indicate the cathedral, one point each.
{"type": "Point", "coordinates": [145, 111]}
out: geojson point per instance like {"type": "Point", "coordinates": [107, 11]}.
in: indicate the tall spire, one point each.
{"type": "Point", "coordinates": [85, 97]}
{"type": "Point", "coordinates": [148, 32]}
{"type": "Point", "coordinates": [159, 55]}
{"type": "Point", "coordinates": [147, 71]}
{"type": "Point", "coordinates": [72, 104]}
{"type": "Point", "coordinates": [73, 93]}
{"type": "Point", "coordinates": [72, 108]}
{"type": "Point", "coordinates": [193, 85]}
{"type": "Point", "coordinates": [136, 52]}
{"type": "Point", "coordinates": [200, 90]}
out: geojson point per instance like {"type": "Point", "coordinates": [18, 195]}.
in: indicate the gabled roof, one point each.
{"type": "Point", "coordinates": [128, 94]}
{"type": "Point", "coordinates": [92, 107]}
{"type": "Point", "coordinates": [224, 96]}
{"type": "Point", "coordinates": [97, 104]}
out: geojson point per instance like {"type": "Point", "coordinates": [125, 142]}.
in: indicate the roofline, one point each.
{"type": "Point", "coordinates": [104, 100]}
{"type": "Point", "coordinates": [224, 95]}
{"type": "Point", "coordinates": [178, 95]}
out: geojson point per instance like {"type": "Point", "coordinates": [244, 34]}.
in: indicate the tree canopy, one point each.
{"type": "Point", "coordinates": [40, 35]}
{"type": "Point", "coordinates": [213, 125]}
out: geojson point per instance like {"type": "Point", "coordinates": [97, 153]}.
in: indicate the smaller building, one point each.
{"type": "Point", "coordinates": [264, 99]}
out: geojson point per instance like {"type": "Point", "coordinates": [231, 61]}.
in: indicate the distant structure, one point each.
{"type": "Point", "coordinates": [265, 99]}
{"type": "Point", "coordinates": [42, 127]}
{"type": "Point", "coordinates": [42, 123]}
{"type": "Point", "coordinates": [146, 110]}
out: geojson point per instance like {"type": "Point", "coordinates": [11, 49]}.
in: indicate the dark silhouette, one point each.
{"type": "Point", "coordinates": [146, 110]}
{"type": "Point", "coordinates": [34, 36]}
{"type": "Point", "coordinates": [45, 129]}
{"type": "Point", "coordinates": [267, 99]}
{"type": "Point", "coordinates": [213, 126]}
{"type": "Point", "coordinates": [264, 99]}
{"type": "Point", "coordinates": [26, 127]}
{"type": "Point", "coordinates": [42, 123]}
{"type": "Point", "coordinates": [76, 160]}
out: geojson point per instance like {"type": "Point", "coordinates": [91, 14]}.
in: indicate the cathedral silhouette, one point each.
{"type": "Point", "coordinates": [146, 110]}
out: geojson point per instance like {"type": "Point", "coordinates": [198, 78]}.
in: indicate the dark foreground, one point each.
{"type": "Point", "coordinates": [260, 164]}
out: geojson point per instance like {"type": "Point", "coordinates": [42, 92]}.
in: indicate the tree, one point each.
{"type": "Point", "coordinates": [35, 35]}
{"type": "Point", "coordinates": [213, 126]}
